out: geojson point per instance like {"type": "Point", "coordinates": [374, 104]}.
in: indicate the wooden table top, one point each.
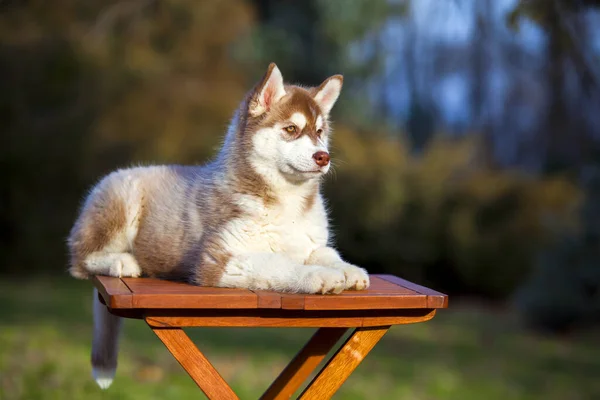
{"type": "Point", "coordinates": [387, 292]}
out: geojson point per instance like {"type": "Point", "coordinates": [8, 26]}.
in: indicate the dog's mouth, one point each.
{"type": "Point", "coordinates": [306, 172]}
{"type": "Point", "coordinates": [296, 174]}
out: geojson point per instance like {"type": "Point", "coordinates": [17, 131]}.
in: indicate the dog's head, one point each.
{"type": "Point", "coordinates": [287, 126]}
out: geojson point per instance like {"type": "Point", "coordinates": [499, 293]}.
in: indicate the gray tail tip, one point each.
{"type": "Point", "coordinates": [103, 376]}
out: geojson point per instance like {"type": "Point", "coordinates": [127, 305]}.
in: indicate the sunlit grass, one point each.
{"type": "Point", "coordinates": [465, 352]}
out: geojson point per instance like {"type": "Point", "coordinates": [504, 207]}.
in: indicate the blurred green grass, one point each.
{"type": "Point", "coordinates": [465, 352]}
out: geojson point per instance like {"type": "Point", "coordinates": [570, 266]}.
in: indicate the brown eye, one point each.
{"type": "Point", "coordinates": [290, 129]}
{"type": "Point", "coordinates": [319, 132]}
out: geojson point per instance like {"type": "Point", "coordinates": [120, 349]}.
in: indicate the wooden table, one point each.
{"type": "Point", "coordinates": [167, 307]}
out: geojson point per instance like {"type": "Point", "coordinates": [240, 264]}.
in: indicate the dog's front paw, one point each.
{"type": "Point", "coordinates": [324, 280]}
{"type": "Point", "coordinates": [356, 278]}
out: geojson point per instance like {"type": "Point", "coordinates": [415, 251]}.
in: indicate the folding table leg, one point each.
{"type": "Point", "coordinates": [307, 359]}
{"type": "Point", "coordinates": [195, 363]}
{"type": "Point", "coordinates": [343, 363]}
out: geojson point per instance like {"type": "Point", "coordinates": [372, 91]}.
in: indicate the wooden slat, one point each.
{"type": "Point", "coordinates": [300, 368]}
{"type": "Point", "coordinates": [434, 299]}
{"type": "Point", "coordinates": [343, 363]}
{"type": "Point", "coordinates": [364, 302]}
{"type": "Point", "coordinates": [292, 301]}
{"type": "Point", "coordinates": [114, 291]}
{"type": "Point", "coordinates": [382, 294]}
{"type": "Point", "coordinates": [160, 287]}
{"type": "Point", "coordinates": [268, 299]}
{"type": "Point", "coordinates": [298, 319]}
{"type": "Point", "coordinates": [380, 285]}
{"type": "Point", "coordinates": [195, 363]}
{"type": "Point", "coordinates": [194, 301]}
{"type": "Point", "coordinates": [155, 293]}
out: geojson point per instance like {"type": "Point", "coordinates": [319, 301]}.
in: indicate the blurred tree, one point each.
{"type": "Point", "coordinates": [564, 140]}
{"type": "Point", "coordinates": [88, 87]}
{"type": "Point", "coordinates": [484, 23]}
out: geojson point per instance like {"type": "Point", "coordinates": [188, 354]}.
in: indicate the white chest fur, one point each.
{"type": "Point", "coordinates": [286, 228]}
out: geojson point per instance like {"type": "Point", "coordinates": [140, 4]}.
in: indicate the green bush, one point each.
{"type": "Point", "coordinates": [563, 290]}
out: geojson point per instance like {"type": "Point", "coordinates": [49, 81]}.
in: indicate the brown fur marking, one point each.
{"type": "Point", "coordinates": [214, 260]}
{"type": "Point", "coordinates": [297, 100]}
{"type": "Point", "coordinates": [310, 200]}
{"type": "Point", "coordinates": [211, 266]}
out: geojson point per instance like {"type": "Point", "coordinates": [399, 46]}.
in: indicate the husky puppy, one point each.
{"type": "Point", "coordinates": [253, 218]}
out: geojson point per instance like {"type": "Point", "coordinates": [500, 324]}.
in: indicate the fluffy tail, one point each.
{"type": "Point", "coordinates": [105, 345]}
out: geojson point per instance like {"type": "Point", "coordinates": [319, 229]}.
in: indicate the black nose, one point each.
{"type": "Point", "coordinates": [321, 158]}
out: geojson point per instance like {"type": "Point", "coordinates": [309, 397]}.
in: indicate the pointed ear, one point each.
{"type": "Point", "coordinates": [327, 94]}
{"type": "Point", "coordinates": [268, 92]}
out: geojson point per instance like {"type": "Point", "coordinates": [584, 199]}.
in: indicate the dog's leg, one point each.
{"type": "Point", "coordinates": [101, 240]}
{"type": "Point", "coordinates": [271, 271]}
{"type": "Point", "coordinates": [356, 278]}
{"type": "Point", "coordinates": [120, 265]}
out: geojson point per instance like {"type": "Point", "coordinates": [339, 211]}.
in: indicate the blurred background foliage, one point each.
{"type": "Point", "coordinates": [466, 148]}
